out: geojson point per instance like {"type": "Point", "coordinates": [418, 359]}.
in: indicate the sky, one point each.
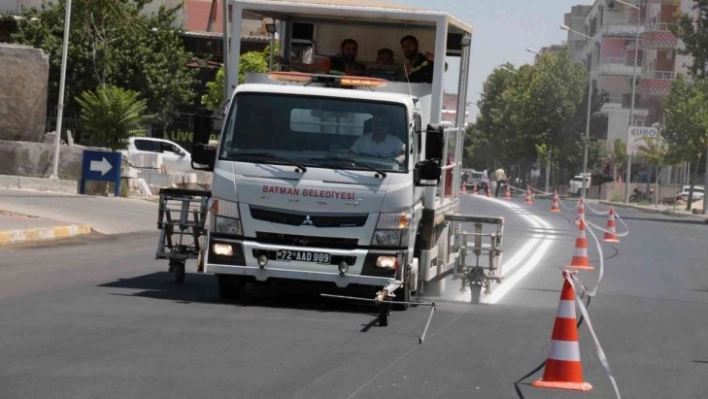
{"type": "Point", "coordinates": [502, 30]}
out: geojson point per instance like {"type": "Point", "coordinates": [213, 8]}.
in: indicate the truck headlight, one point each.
{"type": "Point", "coordinates": [226, 225]}
{"type": "Point", "coordinates": [392, 230]}
{"type": "Point", "coordinates": [387, 238]}
{"type": "Point", "coordinates": [227, 218]}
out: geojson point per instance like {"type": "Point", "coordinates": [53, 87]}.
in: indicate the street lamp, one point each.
{"type": "Point", "coordinates": [62, 82]}
{"type": "Point", "coordinates": [271, 30]}
{"type": "Point", "coordinates": [504, 67]}
{"type": "Point", "coordinates": [586, 142]}
{"type": "Point", "coordinates": [634, 88]}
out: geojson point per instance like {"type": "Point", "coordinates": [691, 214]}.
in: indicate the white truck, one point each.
{"type": "Point", "coordinates": [295, 200]}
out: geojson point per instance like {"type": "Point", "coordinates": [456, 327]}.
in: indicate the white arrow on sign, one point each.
{"type": "Point", "coordinates": [102, 166]}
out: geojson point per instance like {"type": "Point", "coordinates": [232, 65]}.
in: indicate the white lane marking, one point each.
{"type": "Point", "coordinates": [540, 244]}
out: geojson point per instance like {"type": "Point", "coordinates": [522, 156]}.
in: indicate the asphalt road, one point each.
{"type": "Point", "coordinates": [98, 317]}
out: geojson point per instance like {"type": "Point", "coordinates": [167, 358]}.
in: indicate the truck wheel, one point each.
{"type": "Point", "coordinates": [229, 287]}
{"type": "Point", "coordinates": [177, 268]}
{"type": "Point", "coordinates": [384, 312]}
{"type": "Point", "coordinates": [403, 294]}
{"type": "Point", "coordinates": [179, 272]}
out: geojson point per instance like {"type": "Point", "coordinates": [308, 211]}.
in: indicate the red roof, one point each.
{"type": "Point", "coordinates": [197, 15]}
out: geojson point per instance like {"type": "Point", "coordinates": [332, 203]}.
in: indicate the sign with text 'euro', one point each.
{"type": "Point", "coordinates": [638, 136]}
{"type": "Point", "coordinates": [101, 166]}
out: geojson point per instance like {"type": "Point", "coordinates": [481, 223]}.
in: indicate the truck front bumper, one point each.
{"type": "Point", "coordinates": [243, 261]}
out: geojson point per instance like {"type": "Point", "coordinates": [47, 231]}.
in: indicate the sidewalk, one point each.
{"type": "Point", "coordinates": [660, 210]}
{"type": "Point", "coordinates": [33, 215]}
{"type": "Point", "coordinates": [17, 229]}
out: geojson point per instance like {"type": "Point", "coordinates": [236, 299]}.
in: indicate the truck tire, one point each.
{"type": "Point", "coordinates": [177, 267]}
{"type": "Point", "coordinates": [229, 287]}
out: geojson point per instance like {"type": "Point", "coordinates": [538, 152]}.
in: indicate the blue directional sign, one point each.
{"type": "Point", "coordinates": [101, 166]}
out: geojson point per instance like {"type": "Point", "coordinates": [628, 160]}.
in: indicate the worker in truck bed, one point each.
{"type": "Point", "coordinates": [344, 63]}
{"type": "Point", "coordinates": [419, 67]}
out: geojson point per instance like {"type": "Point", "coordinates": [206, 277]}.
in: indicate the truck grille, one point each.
{"type": "Point", "coordinates": [302, 241]}
{"type": "Point", "coordinates": [308, 219]}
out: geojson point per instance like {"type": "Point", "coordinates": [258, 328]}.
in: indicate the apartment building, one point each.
{"type": "Point", "coordinates": [575, 20]}
{"type": "Point", "coordinates": [661, 59]}
{"type": "Point", "coordinates": [610, 56]}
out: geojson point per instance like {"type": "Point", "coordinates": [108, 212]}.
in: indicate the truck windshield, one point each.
{"type": "Point", "coordinates": [309, 130]}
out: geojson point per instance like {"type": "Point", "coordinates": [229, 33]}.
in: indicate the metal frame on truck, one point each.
{"type": "Point", "coordinates": [433, 252]}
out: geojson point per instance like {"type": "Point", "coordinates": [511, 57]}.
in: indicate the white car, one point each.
{"type": "Point", "coordinates": [698, 193]}
{"type": "Point", "coordinates": [575, 185]}
{"type": "Point", "coordinates": [174, 156]}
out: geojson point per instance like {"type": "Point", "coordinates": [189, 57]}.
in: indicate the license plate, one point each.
{"type": "Point", "coordinates": [303, 256]}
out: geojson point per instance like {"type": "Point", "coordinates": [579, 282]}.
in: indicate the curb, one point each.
{"type": "Point", "coordinates": [668, 212]}
{"type": "Point", "coordinates": [42, 234]}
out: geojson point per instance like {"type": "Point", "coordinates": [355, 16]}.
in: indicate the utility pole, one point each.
{"type": "Point", "coordinates": [62, 83]}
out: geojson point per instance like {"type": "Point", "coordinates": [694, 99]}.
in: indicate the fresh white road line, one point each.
{"type": "Point", "coordinates": [539, 243]}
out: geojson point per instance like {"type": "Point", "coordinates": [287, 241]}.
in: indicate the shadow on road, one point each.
{"type": "Point", "coordinates": [202, 288]}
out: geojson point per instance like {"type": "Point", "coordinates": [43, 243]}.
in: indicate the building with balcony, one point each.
{"type": "Point", "coordinates": [610, 56]}
{"type": "Point", "coordinates": [616, 29]}
{"type": "Point", "coordinates": [662, 60]}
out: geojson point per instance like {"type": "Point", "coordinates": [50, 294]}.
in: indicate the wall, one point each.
{"type": "Point", "coordinates": [23, 92]}
{"type": "Point", "coordinates": [35, 159]}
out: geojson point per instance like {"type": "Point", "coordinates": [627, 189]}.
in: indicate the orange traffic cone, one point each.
{"type": "Point", "coordinates": [474, 189]}
{"type": "Point", "coordinates": [580, 258]}
{"type": "Point", "coordinates": [611, 233]}
{"type": "Point", "coordinates": [527, 200]}
{"type": "Point", "coordinates": [463, 188]}
{"type": "Point", "coordinates": [507, 193]}
{"type": "Point", "coordinates": [556, 202]}
{"type": "Point", "coordinates": [563, 367]}
{"type": "Point", "coordinates": [581, 209]}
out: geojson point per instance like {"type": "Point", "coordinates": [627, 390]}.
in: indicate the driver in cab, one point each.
{"type": "Point", "coordinates": [379, 143]}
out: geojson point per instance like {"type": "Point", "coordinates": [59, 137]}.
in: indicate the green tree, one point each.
{"type": "Point", "coordinates": [214, 96]}
{"type": "Point", "coordinates": [655, 153]}
{"type": "Point", "coordinates": [616, 157]}
{"type": "Point", "coordinates": [545, 101]}
{"type": "Point", "coordinates": [252, 61]}
{"type": "Point", "coordinates": [493, 137]}
{"type": "Point", "coordinates": [692, 29]}
{"type": "Point", "coordinates": [111, 42]}
{"type": "Point", "coordinates": [111, 115]}
{"type": "Point", "coordinates": [693, 32]}
{"type": "Point", "coordinates": [686, 128]}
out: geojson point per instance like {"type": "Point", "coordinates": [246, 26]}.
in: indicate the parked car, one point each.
{"type": "Point", "coordinates": [471, 177]}
{"type": "Point", "coordinates": [174, 156]}
{"type": "Point", "coordinates": [575, 185]}
{"type": "Point", "coordinates": [698, 193]}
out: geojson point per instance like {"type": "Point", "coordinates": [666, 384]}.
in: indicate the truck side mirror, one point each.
{"type": "Point", "coordinates": [434, 142]}
{"type": "Point", "coordinates": [202, 154]}
{"type": "Point", "coordinates": [427, 173]}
